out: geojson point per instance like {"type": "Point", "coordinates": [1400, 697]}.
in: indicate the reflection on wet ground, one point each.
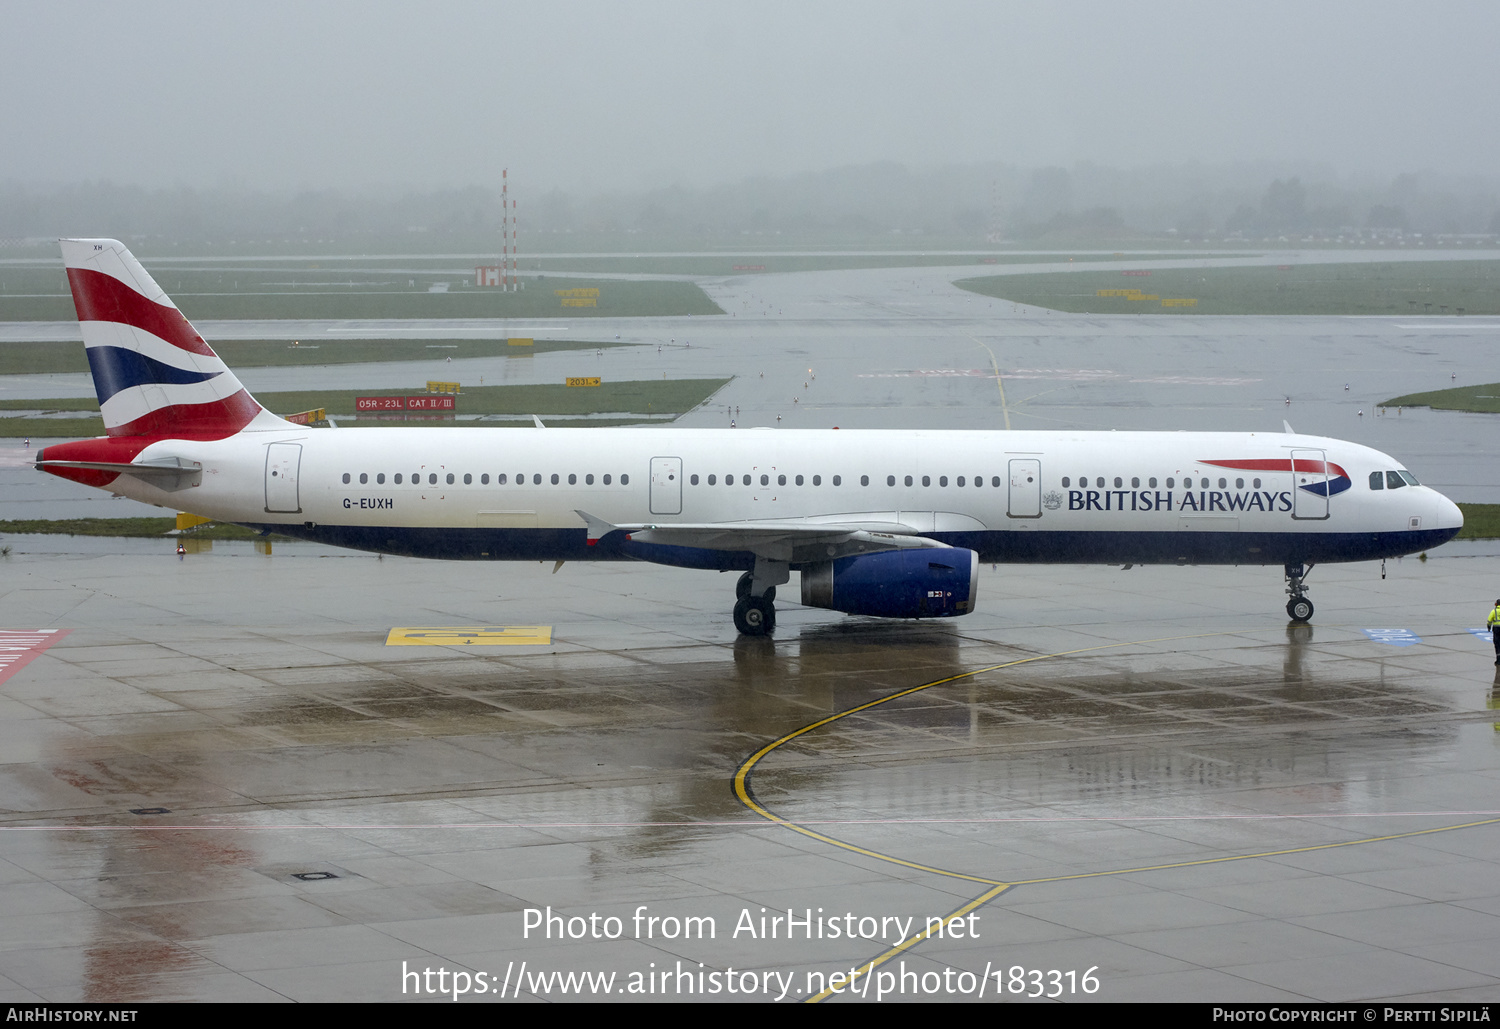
{"type": "Point", "coordinates": [247, 795]}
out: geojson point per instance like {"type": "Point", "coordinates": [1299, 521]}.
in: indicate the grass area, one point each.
{"type": "Point", "coordinates": [306, 290]}
{"type": "Point", "coordinates": [134, 528]}
{"type": "Point", "coordinates": [1481, 521]}
{"type": "Point", "coordinates": [646, 397]}
{"type": "Point", "coordinates": [58, 357]}
{"type": "Point", "coordinates": [1427, 288]}
{"type": "Point", "coordinates": [731, 264]}
{"type": "Point", "coordinates": [1482, 399]}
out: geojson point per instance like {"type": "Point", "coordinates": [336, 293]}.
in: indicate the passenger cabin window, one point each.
{"type": "Point", "coordinates": [625, 479]}
{"type": "Point", "coordinates": [346, 478]}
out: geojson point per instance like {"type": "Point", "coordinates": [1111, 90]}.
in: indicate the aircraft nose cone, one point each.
{"type": "Point", "coordinates": [1444, 514]}
{"type": "Point", "coordinates": [1449, 516]}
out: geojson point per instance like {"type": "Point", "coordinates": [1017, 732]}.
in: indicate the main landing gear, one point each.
{"type": "Point", "coordinates": [1299, 608]}
{"type": "Point", "coordinates": [755, 592]}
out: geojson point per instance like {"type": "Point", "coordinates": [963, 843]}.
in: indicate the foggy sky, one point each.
{"type": "Point", "coordinates": [598, 96]}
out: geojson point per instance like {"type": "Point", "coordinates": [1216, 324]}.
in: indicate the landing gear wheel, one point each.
{"type": "Point", "coordinates": [754, 616]}
{"type": "Point", "coordinates": [742, 588]}
{"type": "Point", "coordinates": [1299, 609]}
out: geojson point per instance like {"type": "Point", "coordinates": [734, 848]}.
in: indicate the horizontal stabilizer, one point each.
{"type": "Point", "coordinates": [166, 473]}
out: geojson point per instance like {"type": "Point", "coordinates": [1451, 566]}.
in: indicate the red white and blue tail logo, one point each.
{"type": "Point", "coordinates": [154, 375]}
{"type": "Point", "coordinates": [1323, 478]}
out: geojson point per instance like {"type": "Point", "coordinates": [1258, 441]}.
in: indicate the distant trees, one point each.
{"type": "Point", "coordinates": [1387, 216]}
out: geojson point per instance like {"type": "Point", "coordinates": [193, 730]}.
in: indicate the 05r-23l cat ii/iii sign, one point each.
{"type": "Point", "coordinates": [887, 523]}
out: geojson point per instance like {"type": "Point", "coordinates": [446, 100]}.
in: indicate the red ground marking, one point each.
{"type": "Point", "coordinates": [19, 647]}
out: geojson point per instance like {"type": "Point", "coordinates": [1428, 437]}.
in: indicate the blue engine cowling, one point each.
{"type": "Point", "coordinates": [927, 583]}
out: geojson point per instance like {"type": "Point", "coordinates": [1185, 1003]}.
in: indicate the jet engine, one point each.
{"type": "Point", "coordinates": [916, 583]}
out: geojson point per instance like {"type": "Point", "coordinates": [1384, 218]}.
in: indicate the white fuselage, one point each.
{"type": "Point", "coordinates": [1037, 496]}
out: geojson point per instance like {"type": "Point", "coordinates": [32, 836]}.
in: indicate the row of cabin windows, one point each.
{"type": "Point", "coordinates": [837, 480]}
{"type": "Point", "coordinates": [1187, 482]}
{"type": "Point", "coordinates": [484, 479]}
{"type": "Point", "coordinates": [1392, 480]}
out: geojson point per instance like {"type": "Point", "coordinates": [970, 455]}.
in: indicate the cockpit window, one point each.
{"type": "Point", "coordinates": [1411, 480]}
{"type": "Point", "coordinates": [1377, 480]}
{"type": "Point", "coordinates": [1394, 480]}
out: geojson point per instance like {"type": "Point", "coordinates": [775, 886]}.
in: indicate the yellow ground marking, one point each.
{"type": "Point", "coordinates": [469, 635]}
{"type": "Point", "coordinates": [905, 945]}
{"type": "Point", "coordinates": [999, 381]}
{"type": "Point", "coordinates": [997, 887]}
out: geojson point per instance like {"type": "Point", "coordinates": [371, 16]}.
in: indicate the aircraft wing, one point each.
{"type": "Point", "coordinates": [793, 540]}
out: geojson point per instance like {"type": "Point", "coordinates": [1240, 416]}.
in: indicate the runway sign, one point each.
{"type": "Point", "coordinates": [469, 635]}
{"type": "Point", "coordinates": [19, 647]}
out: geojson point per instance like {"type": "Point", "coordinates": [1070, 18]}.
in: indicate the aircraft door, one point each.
{"type": "Point", "coordinates": [283, 463]}
{"type": "Point", "coordinates": [666, 485]}
{"type": "Point", "coordinates": [1309, 484]}
{"type": "Point", "coordinates": [1025, 488]}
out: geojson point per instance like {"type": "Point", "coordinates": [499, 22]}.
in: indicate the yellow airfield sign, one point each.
{"type": "Point", "coordinates": [469, 635]}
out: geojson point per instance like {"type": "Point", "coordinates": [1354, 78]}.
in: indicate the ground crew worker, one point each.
{"type": "Point", "coordinates": [1494, 626]}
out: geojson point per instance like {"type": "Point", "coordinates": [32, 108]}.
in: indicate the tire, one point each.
{"type": "Point", "coordinates": [1299, 609]}
{"type": "Point", "coordinates": [742, 588]}
{"type": "Point", "coordinates": [754, 616]}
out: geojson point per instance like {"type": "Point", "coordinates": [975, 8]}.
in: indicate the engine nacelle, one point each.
{"type": "Point", "coordinates": [925, 583]}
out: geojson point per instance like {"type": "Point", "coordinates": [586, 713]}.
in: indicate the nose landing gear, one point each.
{"type": "Point", "coordinates": [1298, 608]}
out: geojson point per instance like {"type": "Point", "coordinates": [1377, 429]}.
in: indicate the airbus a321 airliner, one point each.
{"type": "Point", "coordinates": [886, 523]}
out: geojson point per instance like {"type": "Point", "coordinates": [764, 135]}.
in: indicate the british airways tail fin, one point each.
{"type": "Point", "coordinates": [154, 375]}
